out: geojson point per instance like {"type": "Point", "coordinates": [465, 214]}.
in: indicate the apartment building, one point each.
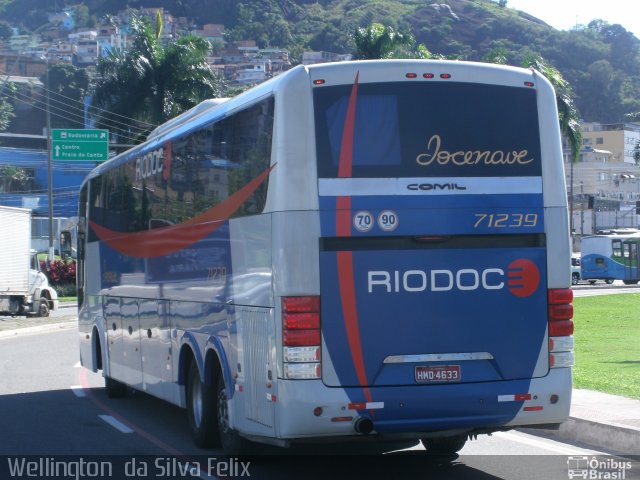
{"type": "Point", "coordinates": [618, 138]}
{"type": "Point", "coordinates": [604, 185]}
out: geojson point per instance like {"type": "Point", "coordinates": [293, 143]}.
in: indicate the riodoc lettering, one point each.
{"type": "Point", "coordinates": [435, 280]}
{"type": "Point", "coordinates": [521, 278]}
{"type": "Point", "coordinates": [461, 158]}
{"type": "Point", "coordinates": [149, 164]}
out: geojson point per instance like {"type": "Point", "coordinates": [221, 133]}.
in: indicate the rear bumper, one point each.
{"type": "Point", "coordinates": [415, 410]}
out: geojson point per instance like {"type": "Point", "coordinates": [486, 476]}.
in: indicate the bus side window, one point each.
{"type": "Point", "coordinates": [616, 246]}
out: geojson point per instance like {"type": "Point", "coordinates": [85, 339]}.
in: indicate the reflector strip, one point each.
{"type": "Point", "coordinates": [533, 409]}
{"type": "Point", "coordinates": [366, 406]}
{"type": "Point", "coordinates": [518, 397]}
{"type": "Point", "coordinates": [342, 419]}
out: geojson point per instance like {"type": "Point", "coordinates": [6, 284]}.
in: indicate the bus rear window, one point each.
{"type": "Point", "coordinates": [430, 130]}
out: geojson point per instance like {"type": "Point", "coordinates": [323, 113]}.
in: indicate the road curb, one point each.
{"type": "Point", "coordinates": [38, 329]}
{"type": "Point", "coordinates": [607, 436]}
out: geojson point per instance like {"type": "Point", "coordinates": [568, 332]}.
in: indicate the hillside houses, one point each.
{"type": "Point", "coordinates": [603, 186]}
{"type": "Point", "coordinates": [242, 62]}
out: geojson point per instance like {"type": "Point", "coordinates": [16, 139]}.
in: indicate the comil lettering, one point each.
{"type": "Point", "coordinates": [435, 280]}
{"type": "Point", "coordinates": [149, 164]}
{"type": "Point", "coordinates": [463, 158]}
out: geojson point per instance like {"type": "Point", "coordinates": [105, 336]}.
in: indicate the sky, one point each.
{"type": "Point", "coordinates": [564, 14]}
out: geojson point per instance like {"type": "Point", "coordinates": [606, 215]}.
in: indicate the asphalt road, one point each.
{"type": "Point", "coordinates": [50, 406]}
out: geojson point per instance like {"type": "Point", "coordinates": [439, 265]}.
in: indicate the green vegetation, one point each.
{"type": "Point", "coordinates": [152, 82]}
{"type": "Point", "coordinates": [607, 336]}
{"type": "Point", "coordinates": [599, 60]}
{"type": "Point", "coordinates": [378, 41]}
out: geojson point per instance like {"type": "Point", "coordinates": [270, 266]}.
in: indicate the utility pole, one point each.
{"type": "Point", "coordinates": [49, 163]}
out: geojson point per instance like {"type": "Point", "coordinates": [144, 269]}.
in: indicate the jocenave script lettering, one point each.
{"type": "Point", "coordinates": [463, 158]}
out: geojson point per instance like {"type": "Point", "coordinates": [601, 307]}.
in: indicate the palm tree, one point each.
{"type": "Point", "coordinates": [151, 83]}
{"type": "Point", "coordinates": [567, 111]}
{"type": "Point", "coordinates": [378, 41]}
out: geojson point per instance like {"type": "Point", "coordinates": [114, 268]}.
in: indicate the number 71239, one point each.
{"type": "Point", "coordinates": [506, 220]}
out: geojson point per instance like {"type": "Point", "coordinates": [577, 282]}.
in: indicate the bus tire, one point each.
{"type": "Point", "coordinates": [608, 281]}
{"type": "Point", "coordinates": [114, 388]}
{"type": "Point", "coordinates": [200, 409]}
{"type": "Point", "coordinates": [444, 445]}
{"type": "Point", "coordinates": [575, 278]}
{"type": "Point", "coordinates": [232, 443]}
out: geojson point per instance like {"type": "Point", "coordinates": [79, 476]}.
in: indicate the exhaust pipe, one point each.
{"type": "Point", "coordinates": [363, 425]}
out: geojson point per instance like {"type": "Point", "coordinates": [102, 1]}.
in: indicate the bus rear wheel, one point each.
{"type": "Point", "coordinates": [444, 445]}
{"type": "Point", "coordinates": [201, 409]}
{"type": "Point", "coordinates": [232, 443]}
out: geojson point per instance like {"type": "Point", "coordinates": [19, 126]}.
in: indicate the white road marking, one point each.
{"type": "Point", "coordinates": [118, 425]}
{"type": "Point", "coordinates": [78, 391]}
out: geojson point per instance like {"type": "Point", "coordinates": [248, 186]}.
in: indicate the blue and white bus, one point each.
{"type": "Point", "coordinates": [351, 251]}
{"type": "Point", "coordinates": [611, 256]}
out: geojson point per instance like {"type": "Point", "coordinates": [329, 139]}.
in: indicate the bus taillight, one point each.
{"type": "Point", "coordinates": [560, 328]}
{"type": "Point", "coordinates": [301, 337]}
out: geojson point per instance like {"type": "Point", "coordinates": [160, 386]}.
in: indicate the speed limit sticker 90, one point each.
{"type": "Point", "coordinates": [363, 221]}
{"type": "Point", "coordinates": [388, 220]}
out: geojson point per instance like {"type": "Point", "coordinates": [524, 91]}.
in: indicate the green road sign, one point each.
{"type": "Point", "coordinates": [80, 145]}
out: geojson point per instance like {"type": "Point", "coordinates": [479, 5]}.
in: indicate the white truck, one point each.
{"type": "Point", "coordinates": [24, 289]}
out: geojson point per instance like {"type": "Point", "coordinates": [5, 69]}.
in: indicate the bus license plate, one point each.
{"type": "Point", "coordinates": [439, 373]}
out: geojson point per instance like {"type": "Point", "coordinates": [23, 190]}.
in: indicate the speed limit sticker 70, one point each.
{"type": "Point", "coordinates": [363, 221]}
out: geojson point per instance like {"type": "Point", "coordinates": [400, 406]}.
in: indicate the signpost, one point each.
{"type": "Point", "coordinates": [78, 145]}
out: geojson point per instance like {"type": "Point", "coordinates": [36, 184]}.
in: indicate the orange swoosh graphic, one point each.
{"type": "Point", "coordinates": [165, 240]}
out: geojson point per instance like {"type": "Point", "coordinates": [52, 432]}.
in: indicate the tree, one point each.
{"type": "Point", "coordinates": [6, 108]}
{"type": "Point", "coordinates": [14, 179]}
{"type": "Point", "coordinates": [496, 55]}
{"type": "Point", "coordinates": [5, 30]}
{"type": "Point", "coordinates": [567, 111]}
{"type": "Point", "coordinates": [378, 41]}
{"type": "Point", "coordinates": [6, 113]}
{"type": "Point", "coordinates": [68, 86]}
{"type": "Point", "coordinates": [151, 83]}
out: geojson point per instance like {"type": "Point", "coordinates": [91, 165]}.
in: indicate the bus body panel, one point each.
{"type": "Point", "coordinates": [435, 303]}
